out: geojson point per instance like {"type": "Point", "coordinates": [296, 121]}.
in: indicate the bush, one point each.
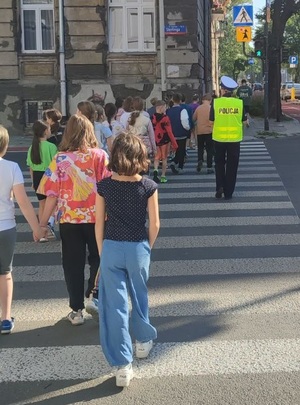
{"type": "Point", "coordinates": [257, 104]}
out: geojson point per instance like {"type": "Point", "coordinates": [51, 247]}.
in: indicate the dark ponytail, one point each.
{"type": "Point", "coordinates": [110, 111]}
{"type": "Point", "coordinates": [39, 128]}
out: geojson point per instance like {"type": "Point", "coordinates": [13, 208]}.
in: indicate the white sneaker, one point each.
{"type": "Point", "coordinates": [124, 375]}
{"type": "Point", "coordinates": [43, 240]}
{"type": "Point", "coordinates": [76, 318]}
{"type": "Point", "coordinates": [142, 350]}
{"type": "Point", "coordinates": [92, 306]}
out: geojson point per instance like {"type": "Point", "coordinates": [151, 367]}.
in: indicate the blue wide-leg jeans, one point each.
{"type": "Point", "coordinates": [124, 270]}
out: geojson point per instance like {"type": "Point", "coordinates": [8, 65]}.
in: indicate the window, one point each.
{"type": "Point", "coordinates": [37, 26]}
{"type": "Point", "coordinates": [131, 25]}
{"type": "Point", "coordinates": [34, 110]}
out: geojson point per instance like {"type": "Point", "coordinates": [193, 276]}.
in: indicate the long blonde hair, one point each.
{"type": "Point", "coordinates": [4, 139]}
{"type": "Point", "coordinates": [79, 135]}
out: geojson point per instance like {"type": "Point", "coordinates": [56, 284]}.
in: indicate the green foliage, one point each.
{"type": "Point", "coordinates": [229, 49]}
{"type": "Point", "coordinates": [257, 104]}
{"type": "Point", "coordinates": [232, 60]}
{"type": "Point", "coordinates": [291, 41]}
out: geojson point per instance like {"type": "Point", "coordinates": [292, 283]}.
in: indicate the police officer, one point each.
{"type": "Point", "coordinates": [228, 116]}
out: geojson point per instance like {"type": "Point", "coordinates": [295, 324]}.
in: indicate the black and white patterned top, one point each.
{"type": "Point", "coordinates": [126, 207]}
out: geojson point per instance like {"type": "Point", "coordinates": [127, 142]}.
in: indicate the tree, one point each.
{"type": "Point", "coordinates": [292, 41]}
{"type": "Point", "coordinates": [231, 57]}
{"type": "Point", "coordinates": [282, 11]}
{"type": "Point", "coordinates": [232, 60]}
{"type": "Point", "coordinates": [230, 51]}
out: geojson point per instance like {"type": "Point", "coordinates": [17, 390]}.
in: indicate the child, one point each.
{"type": "Point", "coordinates": [103, 129]}
{"type": "Point", "coordinates": [204, 133]}
{"type": "Point", "coordinates": [12, 182]}
{"type": "Point", "coordinates": [95, 114]}
{"type": "Point", "coordinates": [70, 185]}
{"type": "Point", "coordinates": [163, 137]}
{"type": "Point", "coordinates": [53, 118]}
{"type": "Point", "coordinates": [180, 123]}
{"type": "Point", "coordinates": [140, 122]}
{"type": "Point", "coordinates": [125, 246]}
{"type": "Point", "coordinates": [39, 157]}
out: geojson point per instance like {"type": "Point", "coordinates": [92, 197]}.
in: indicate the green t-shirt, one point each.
{"type": "Point", "coordinates": [47, 151]}
{"type": "Point", "coordinates": [244, 93]}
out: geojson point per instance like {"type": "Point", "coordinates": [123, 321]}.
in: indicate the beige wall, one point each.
{"type": "Point", "coordinates": [8, 55]}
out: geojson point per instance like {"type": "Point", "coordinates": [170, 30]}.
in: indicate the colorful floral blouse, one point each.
{"type": "Point", "coordinates": [71, 178]}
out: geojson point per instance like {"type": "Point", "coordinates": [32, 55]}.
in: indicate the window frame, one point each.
{"type": "Point", "coordinates": [142, 7]}
{"type": "Point", "coordinates": [37, 8]}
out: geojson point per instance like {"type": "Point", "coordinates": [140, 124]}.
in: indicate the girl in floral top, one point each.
{"type": "Point", "coordinates": [70, 185]}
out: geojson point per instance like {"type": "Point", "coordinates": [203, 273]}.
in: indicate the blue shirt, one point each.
{"type": "Point", "coordinates": [126, 208]}
{"type": "Point", "coordinates": [102, 132]}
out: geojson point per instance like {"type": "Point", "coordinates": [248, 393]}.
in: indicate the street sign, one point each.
{"type": "Point", "coordinates": [293, 60]}
{"type": "Point", "coordinates": [175, 29]}
{"type": "Point", "coordinates": [243, 34]}
{"type": "Point", "coordinates": [251, 61]}
{"type": "Point", "coordinates": [243, 15]}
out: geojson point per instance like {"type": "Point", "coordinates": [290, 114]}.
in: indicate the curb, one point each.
{"type": "Point", "coordinates": [17, 149]}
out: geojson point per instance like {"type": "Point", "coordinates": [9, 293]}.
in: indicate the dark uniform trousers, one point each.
{"type": "Point", "coordinates": [226, 161]}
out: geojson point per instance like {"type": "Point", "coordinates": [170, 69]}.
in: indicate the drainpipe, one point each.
{"type": "Point", "coordinates": [162, 48]}
{"type": "Point", "coordinates": [62, 67]}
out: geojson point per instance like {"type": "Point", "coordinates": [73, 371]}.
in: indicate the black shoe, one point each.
{"type": "Point", "coordinates": [155, 176]}
{"type": "Point", "coordinates": [199, 166]}
{"type": "Point", "coordinates": [219, 193]}
{"type": "Point", "coordinates": [173, 168]}
{"type": "Point", "coordinates": [228, 197]}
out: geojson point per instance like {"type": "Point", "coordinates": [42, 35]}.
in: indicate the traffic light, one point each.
{"type": "Point", "coordinates": [284, 55]}
{"type": "Point", "coordinates": [259, 48]}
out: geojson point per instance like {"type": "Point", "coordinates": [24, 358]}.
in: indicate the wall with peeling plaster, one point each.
{"type": "Point", "coordinates": [91, 69]}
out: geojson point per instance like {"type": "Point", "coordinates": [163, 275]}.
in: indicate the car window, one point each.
{"type": "Point", "coordinates": [297, 85]}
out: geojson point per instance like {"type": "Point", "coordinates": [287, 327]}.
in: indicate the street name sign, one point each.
{"type": "Point", "coordinates": [243, 15]}
{"type": "Point", "coordinates": [243, 34]}
{"type": "Point", "coordinates": [175, 29]}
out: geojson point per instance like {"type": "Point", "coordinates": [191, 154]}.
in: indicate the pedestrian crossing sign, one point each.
{"type": "Point", "coordinates": [243, 34]}
{"type": "Point", "coordinates": [243, 15]}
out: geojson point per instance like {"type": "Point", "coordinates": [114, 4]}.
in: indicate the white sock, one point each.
{"type": "Point", "coordinates": [51, 221]}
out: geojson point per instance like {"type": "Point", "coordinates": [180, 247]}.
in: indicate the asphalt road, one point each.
{"type": "Point", "coordinates": [224, 296]}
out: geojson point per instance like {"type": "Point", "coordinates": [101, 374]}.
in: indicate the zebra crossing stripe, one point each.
{"type": "Point", "coordinates": [167, 359]}
{"type": "Point", "coordinates": [214, 272]}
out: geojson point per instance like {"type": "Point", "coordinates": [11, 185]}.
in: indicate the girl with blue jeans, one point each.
{"type": "Point", "coordinates": [124, 246]}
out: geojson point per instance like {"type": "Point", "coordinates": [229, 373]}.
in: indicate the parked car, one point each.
{"type": "Point", "coordinates": [285, 91]}
{"type": "Point", "coordinates": [257, 86]}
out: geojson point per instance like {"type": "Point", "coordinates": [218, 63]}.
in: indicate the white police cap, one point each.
{"type": "Point", "coordinates": [228, 84]}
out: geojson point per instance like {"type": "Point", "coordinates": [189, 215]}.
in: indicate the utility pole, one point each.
{"type": "Point", "coordinates": [266, 66]}
{"type": "Point", "coordinates": [162, 48]}
{"type": "Point", "coordinates": [62, 66]}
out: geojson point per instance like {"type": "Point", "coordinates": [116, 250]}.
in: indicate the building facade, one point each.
{"type": "Point", "coordinates": [100, 48]}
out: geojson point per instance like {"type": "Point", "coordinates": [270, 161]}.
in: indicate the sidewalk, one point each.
{"type": "Point", "coordinates": [20, 143]}
{"type": "Point", "coordinates": [276, 129]}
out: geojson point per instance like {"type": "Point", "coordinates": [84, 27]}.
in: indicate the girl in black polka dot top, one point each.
{"type": "Point", "coordinates": [124, 246]}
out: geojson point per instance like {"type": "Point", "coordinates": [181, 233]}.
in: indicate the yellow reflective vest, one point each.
{"type": "Point", "coordinates": [228, 125]}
